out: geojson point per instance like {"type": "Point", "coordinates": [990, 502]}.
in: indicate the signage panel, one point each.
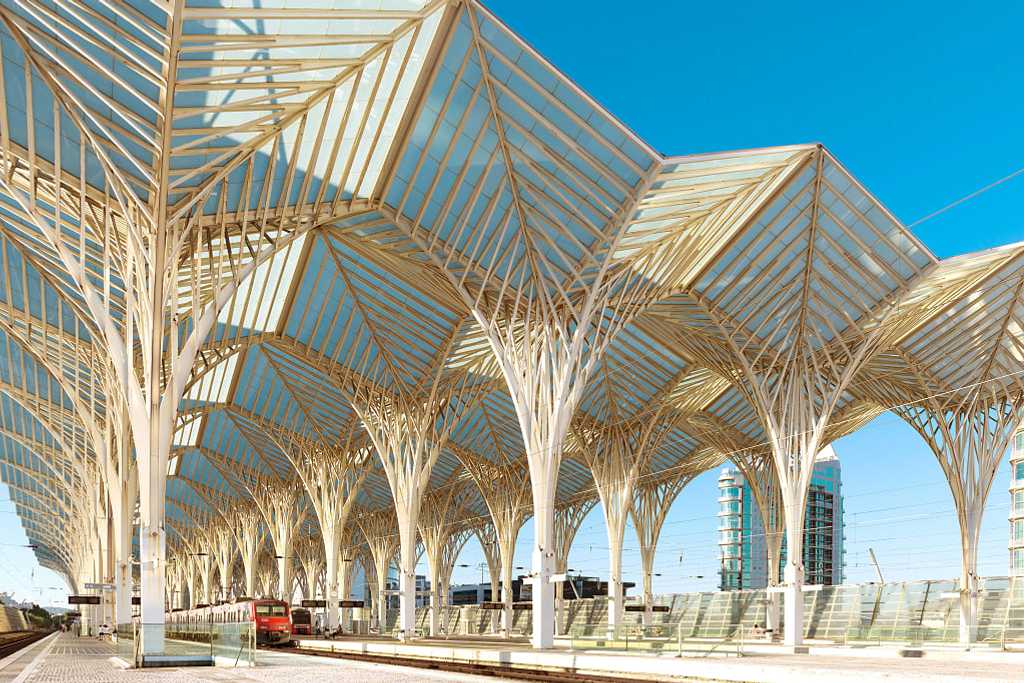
{"type": "Point", "coordinates": [83, 599]}
{"type": "Point", "coordinates": [314, 603]}
{"type": "Point", "coordinates": [351, 603]}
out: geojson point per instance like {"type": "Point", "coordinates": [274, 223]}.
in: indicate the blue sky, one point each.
{"type": "Point", "coordinates": [921, 101]}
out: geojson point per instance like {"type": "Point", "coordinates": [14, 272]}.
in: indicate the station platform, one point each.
{"type": "Point", "coordinates": [64, 658]}
{"type": "Point", "coordinates": [707, 660]}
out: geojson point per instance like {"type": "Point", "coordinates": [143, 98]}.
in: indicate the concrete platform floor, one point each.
{"type": "Point", "coordinates": [761, 662]}
{"type": "Point", "coordinates": [63, 658]}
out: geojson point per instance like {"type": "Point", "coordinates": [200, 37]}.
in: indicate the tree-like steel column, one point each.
{"type": "Point", "coordinates": [616, 453]}
{"type": "Point", "coordinates": [790, 346]}
{"type": "Point", "coordinates": [246, 523]}
{"type": "Point", "coordinates": [382, 539]}
{"type": "Point", "coordinates": [282, 504]}
{"type": "Point", "coordinates": [309, 552]}
{"type": "Point", "coordinates": [266, 574]}
{"type": "Point", "coordinates": [439, 513]}
{"type": "Point", "coordinates": [487, 535]}
{"type": "Point", "coordinates": [759, 471]}
{"type": "Point", "coordinates": [506, 492]}
{"type": "Point", "coordinates": [223, 549]}
{"type": "Point", "coordinates": [348, 556]}
{"type": "Point", "coordinates": [332, 476]}
{"type": "Point", "coordinates": [969, 435]}
{"type": "Point", "coordinates": [955, 377]}
{"type": "Point", "coordinates": [533, 266]}
{"type": "Point", "coordinates": [409, 430]}
{"type": "Point", "coordinates": [652, 499]}
{"type": "Point", "coordinates": [449, 554]}
{"type": "Point", "coordinates": [78, 368]}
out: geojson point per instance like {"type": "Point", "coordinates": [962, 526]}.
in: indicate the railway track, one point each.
{"type": "Point", "coordinates": [12, 641]}
{"type": "Point", "coordinates": [520, 673]}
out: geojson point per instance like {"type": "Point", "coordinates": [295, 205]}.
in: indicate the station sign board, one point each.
{"type": "Point", "coordinates": [99, 586]}
{"type": "Point", "coordinates": [136, 600]}
{"type": "Point", "coordinates": [522, 605]}
{"type": "Point", "coordinates": [492, 605]}
{"type": "Point", "coordinates": [351, 603]}
{"type": "Point", "coordinates": [83, 599]}
{"type": "Point", "coordinates": [314, 603]}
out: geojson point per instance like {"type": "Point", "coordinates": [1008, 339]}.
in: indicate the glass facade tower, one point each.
{"type": "Point", "coordinates": [1017, 506]}
{"type": "Point", "coordinates": [741, 537]}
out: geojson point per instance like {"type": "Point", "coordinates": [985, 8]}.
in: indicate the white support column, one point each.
{"type": "Point", "coordinates": [488, 537]}
{"type": "Point", "coordinates": [280, 503]}
{"type": "Point", "coordinates": [409, 429]}
{"type": "Point", "coordinates": [206, 575]}
{"type": "Point", "coordinates": [543, 590]}
{"type": "Point", "coordinates": [152, 549]}
{"type": "Point", "coordinates": [969, 438]}
{"type": "Point", "coordinates": [616, 454]}
{"type": "Point", "coordinates": [407, 556]}
{"type": "Point", "coordinates": [379, 528]}
{"type": "Point", "coordinates": [758, 469]}
{"type": "Point", "coordinates": [546, 358]}
{"type": "Point", "coordinates": [505, 490]}
{"type": "Point", "coordinates": [332, 574]}
{"type": "Point", "coordinates": [245, 521]}
{"type": "Point", "coordinates": [651, 502]}
{"type": "Point", "coordinates": [345, 573]}
{"type": "Point", "coordinates": [223, 551]}
{"type": "Point", "coordinates": [309, 550]}
{"type": "Point", "coordinates": [332, 475]}
{"type": "Point", "coordinates": [439, 512]}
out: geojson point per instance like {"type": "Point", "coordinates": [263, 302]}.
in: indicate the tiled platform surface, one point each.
{"type": "Point", "coordinates": [759, 663]}
{"type": "Point", "coordinates": [66, 659]}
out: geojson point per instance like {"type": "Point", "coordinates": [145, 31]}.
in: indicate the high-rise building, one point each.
{"type": "Point", "coordinates": [741, 537]}
{"type": "Point", "coordinates": [1017, 505]}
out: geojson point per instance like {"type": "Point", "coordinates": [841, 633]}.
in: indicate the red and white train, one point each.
{"type": "Point", "coordinates": [272, 619]}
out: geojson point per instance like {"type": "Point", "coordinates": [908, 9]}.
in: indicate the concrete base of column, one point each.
{"type": "Point", "coordinates": [968, 617]}
{"type": "Point", "coordinates": [407, 605]}
{"type": "Point", "coordinates": [794, 606]}
{"type": "Point", "coordinates": [543, 600]}
{"type": "Point", "coordinates": [151, 556]}
{"type": "Point", "coordinates": [772, 614]}
{"type": "Point", "coordinates": [435, 615]}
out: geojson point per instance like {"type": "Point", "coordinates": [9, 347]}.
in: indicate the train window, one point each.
{"type": "Point", "coordinates": [270, 610]}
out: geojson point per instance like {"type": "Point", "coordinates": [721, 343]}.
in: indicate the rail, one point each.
{"type": "Point", "coordinates": [508, 671]}
{"type": "Point", "coordinates": [13, 641]}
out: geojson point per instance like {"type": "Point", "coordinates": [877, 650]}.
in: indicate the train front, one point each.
{"type": "Point", "coordinates": [273, 622]}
